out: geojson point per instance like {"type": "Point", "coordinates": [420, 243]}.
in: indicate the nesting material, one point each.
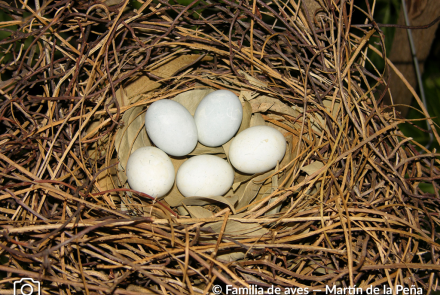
{"type": "Point", "coordinates": [353, 202]}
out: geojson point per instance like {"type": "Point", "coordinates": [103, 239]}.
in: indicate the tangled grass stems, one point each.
{"type": "Point", "coordinates": [346, 208]}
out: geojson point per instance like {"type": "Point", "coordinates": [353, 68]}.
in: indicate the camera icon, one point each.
{"type": "Point", "coordinates": [24, 287]}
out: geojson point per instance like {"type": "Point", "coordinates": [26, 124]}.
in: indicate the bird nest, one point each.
{"type": "Point", "coordinates": [344, 207]}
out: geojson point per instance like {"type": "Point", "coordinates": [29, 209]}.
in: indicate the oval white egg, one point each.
{"type": "Point", "coordinates": [218, 117]}
{"type": "Point", "coordinates": [204, 176]}
{"type": "Point", "coordinates": [150, 171]}
{"type": "Point", "coordinates": [171, 127]}
{"type": "Point", "coordinates": [257, 149]}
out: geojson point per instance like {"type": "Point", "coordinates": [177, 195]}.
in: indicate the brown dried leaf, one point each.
{"type": "Point", "coordinates": [121, 97]}
{"type": "Point", "coordinates": [144, 84]}
{"type": "Point", "coordinates": [235, 186]}
{"type": "Point", "coordinates": [291, 152]}
{"type": "Point", "coordinates": [152, 211]}
{"type": "Point", "coordinates": [226, 148]}
{"type": "Point", "coordinates": [328, 104]}
{"type": "Point", "coordinates": [242, 177]}
{"type": "Point", "coordinates": [191, 99]}
{"type": "Point", "coordinates": [201, 201]}
{"type": "Point", "coordinates": [257, 120]}
{"type": "Point", "coordinates": [252, 278]}
{"type": "Point", "coordinates": [121, 141]}
{"type": "Point", "coordinates": [96, 150]}
{"type": "Point", "coordinates": [130, 137]}
{"type": "Point", "coordinates": [141, 86]}
{"type": "Point", "coordinates": [245, 95]}
{"type": "Point", "coordinates": [252, 189]}
{"type": "Point", "coordinates": [136, 132]}
{"type": "Point", "coordinates": [247, 114]}
{"type": "Point", "coordinates": [312, 168]}
{"type": "Point", "coordinates": [277, 179]}
{"type": "Point", "coordinates": [264, 103]}
{"type": "Point", "coordinates": [97, 274]}
{"type": "Point", "coordinates": [112, 2]}
{"type": "Point", "coordinates": [266, 189]}
{"type": "Point", "coordinates": [182, 211]}
{"type": "Point", "coordinates": [198, 212]}
{"type": "Point", "coordinates": [234, 227]}
{"type": "Point", "coordinates": [107, 179]}
{"type": "Point", "coordinates": [275, 185]}
{"type": "Point", "coordinates": [170, 68]}
{"type": "Point", "coordinates": [174, 198]}
{"type": "Point", "coordinates": [232, 256]}
{"type": "Point", "coordinates": [245, 123]}
{"type": "Point", "coordinates": [260, 107]}
{"type": "Point", "coordinates": [280, 129]}
{"type": "Point", "coordinates": [201, 149]}
{"type": "Point", "coordinates": [235, 191]}
{"type": "Point", "coordinates": [253, 80]}
{"type": "Point", "coordinates": [232, 199]}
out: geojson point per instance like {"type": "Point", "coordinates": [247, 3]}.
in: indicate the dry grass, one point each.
{"type": "Point", "coordinates": [344, 207]}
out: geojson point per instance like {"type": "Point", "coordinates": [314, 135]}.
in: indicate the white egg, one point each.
{"type": "Point", "coordinates": [171, 127]}
{"type": "Point", "coordinates": [218, 117]}
{"type": "Point", "coordinates": [257, 149]}
{"type": "Point", "coordinates": [204, 176]}
{"type": "Point", "coordinates": [150, 171]}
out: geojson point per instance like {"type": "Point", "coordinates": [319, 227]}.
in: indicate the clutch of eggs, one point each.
{"type": "Point", "coordinates": [175, 132]}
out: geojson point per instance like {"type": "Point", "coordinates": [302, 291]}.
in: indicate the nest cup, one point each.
{"type": "Point", "coordinates": [343, 208]}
